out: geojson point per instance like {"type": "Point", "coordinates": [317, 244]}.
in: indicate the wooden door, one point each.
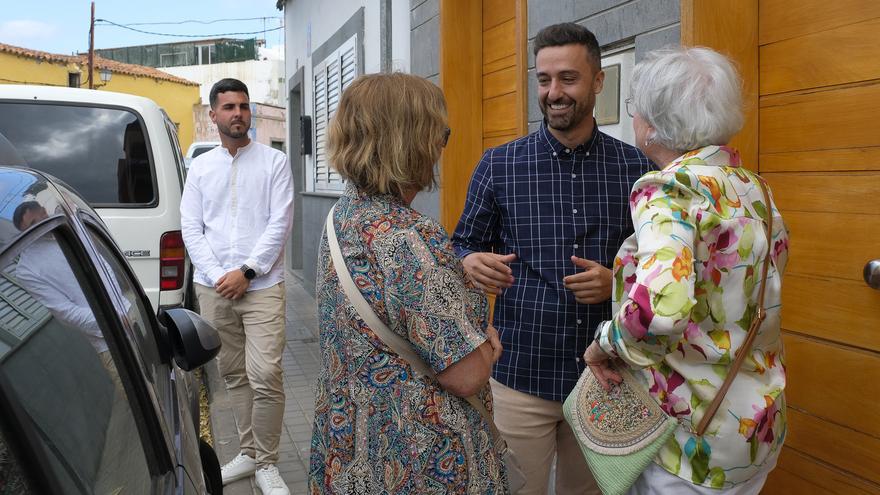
{"type": "Point", "coordinates": [483, 74]}
{"type": "Point", "coordinates": [819, 146]}
{"type": "Point", "coordinates": [816, 67]}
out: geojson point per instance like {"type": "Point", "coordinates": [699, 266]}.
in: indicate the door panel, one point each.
{"type": "Point", "coordinates": [851, 450]}
{"type": "Point", "coordinates": [832, 309]}
{"type": "Point", "coordinates": [798, 474]}
{"type": "Point", "coordinates": [837, 118]}
{"type": "Point", "coordinates": [818, 143]}
{"type": "Point", "coordinates": [784, 19]}
{"type": "Point", "coordinates": [483, 70]}
{"type": "Point", "coordinates": [836, 160]}
{"type": "Point", "coordinates": [824, 381]}
{"type": "Point", "coordinates": [815, 60]}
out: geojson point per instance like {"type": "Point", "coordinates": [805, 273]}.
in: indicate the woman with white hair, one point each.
{"type": "Point", "coordinates": [687, 284]}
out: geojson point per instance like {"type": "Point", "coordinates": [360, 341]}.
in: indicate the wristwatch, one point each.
{"type": "Point", "coordinates": [249, 272]}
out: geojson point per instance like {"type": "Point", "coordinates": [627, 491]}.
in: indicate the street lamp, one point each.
{"type": "Point", "coordinates": [106, 75]}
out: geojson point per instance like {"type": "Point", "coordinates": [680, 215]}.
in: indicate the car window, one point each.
{"type": "Point", "coordinates": [57, 366]}
{"type": "Point", "coordinates": [175, 143]}
{"type": "Point", "coordinates": [137, 310]}
{"type": "Point", "coordinates": [108, 146]}
{"type": "Point", "coordinates": [202, 150]}
{"type": "Point", "coordinates": [141, 328]}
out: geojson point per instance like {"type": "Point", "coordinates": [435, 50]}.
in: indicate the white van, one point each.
{"type": "Point", "coordinates": [129, 168]}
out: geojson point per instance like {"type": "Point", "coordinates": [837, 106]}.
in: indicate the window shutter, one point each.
{"type": "Point", "coordinates": [321, 167]}
{"type": "Point", "coordinates": [332, 76]}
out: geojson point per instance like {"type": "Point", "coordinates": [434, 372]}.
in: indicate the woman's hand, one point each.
{"type": "Point", "coordinates": [600, 365]}
{"type": "Point", "coordinates": [495, 342]}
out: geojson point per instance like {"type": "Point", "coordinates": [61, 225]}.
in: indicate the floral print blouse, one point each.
{"type": "Point", "coordinates": [379, 426]}
{"type": "Point", "coordinates": [685, 291]}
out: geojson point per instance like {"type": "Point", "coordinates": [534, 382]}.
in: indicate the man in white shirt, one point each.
{"type": "Point", "coordinates": [236, 213]}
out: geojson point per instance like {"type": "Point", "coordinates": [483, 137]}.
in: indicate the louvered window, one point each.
{"type": "Point", "coordinates": [331, 77]}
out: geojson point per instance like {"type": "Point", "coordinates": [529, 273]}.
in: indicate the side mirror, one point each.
{"type": "Point", "coordinates": [193, 340]}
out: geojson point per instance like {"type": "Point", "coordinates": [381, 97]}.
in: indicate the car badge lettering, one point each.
{"type": "Point", "coordinates": [137, 253]}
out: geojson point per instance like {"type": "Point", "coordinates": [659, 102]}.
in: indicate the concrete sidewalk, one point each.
{"type": "Point", "coordinates": [302, 361]}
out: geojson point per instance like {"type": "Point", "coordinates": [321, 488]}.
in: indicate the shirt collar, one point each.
{"type": "Point", "coordinates": [240, 150]}
{"type": "Point", "coordinates": [718, 156]}
{"type": "Point", "coordinates": [356, 194]}
{"type": "Point", "coordinates": [554, 146]}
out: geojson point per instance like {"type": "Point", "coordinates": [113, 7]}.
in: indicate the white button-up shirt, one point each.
{"type": "Point", "coordinates": [237, 210]}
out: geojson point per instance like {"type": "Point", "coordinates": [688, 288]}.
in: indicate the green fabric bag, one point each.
{"type": "Point", "coordinates": [620, 432]}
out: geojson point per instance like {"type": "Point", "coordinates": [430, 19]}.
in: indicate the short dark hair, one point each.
{"type": "Point", "coordinates": [568, 33]}
{"type": "Point", "coordinates": [224, 85]}
{"type": "Point", "coordinates": [21, 209]}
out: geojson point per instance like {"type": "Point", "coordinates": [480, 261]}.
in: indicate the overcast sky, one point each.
{"type": "Point", "coordinates": [62, 26]}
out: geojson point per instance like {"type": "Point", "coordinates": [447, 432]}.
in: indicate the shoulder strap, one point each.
{"type": "Point", "coordinates": [760, 314]}
{"type": "Point", "coordinates": [397, 343]}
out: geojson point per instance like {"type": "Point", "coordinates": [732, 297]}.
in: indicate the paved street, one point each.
{"type": "Point", "coordinates": [302, 360]}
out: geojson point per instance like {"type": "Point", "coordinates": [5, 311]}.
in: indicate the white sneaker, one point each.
{"type": "Point", "coordinates": [242, 466]}
{"type": "Point", "coordinates": [270, 481]}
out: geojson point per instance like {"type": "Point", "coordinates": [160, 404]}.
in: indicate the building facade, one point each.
{"type": "Point", "coordinates": [810, 81]}
{"type": "Point", "coordinates": [327, 45]}
{"type": "Point", "coordinates": [177, 96]}
{"type": "Point", "coordinates": [268, 125]}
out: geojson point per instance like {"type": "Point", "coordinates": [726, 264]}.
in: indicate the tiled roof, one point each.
{"type": "Point", "coordinates": [100, 63]}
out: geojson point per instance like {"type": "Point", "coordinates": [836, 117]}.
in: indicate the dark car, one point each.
{"type": "Point", "coordinates": [95, 390]}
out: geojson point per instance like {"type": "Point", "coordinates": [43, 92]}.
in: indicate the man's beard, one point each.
{"type": "Point", "coordinates": [569, 120]}
{"type": "Point", "coordinates": [226, 130]}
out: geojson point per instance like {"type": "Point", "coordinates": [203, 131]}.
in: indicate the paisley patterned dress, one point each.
{"type": "Point", "coordinates": [380, 427]}
{"type": "Point", "coordinates": [685, 291]}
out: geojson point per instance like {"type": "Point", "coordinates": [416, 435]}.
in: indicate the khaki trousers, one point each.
{"type": "Point", "coordinates": [535, 429]}
{"type": "Point", "coordinates": [252, 333]}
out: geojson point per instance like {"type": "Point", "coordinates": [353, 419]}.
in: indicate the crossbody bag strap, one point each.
{"type": "Point", "coordinates": [397, 343]}
{"type": "Point", "coordinates": [760, 314]}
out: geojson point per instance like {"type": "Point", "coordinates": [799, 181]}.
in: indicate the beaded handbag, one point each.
{"type": "Point", "coordinates": [621, 431]}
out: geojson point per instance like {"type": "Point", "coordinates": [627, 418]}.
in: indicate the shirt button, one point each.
{"type": "Point", "coordinates": [576, 246]}
{"type": "Point", "coordinates": [567, 150]}
{"type": "Point", "coordinates": [554, 153]}
{"type": "Point", "coordinates": [579, 321]}
{"type": "Point", "coordinates": [574, 210]}
{"type": "Point", "coordinates": [588, 153]}
{"type": "Point", "coordinates": [574, 176]}
{"type": "Point", "coordinates": [577, 359]}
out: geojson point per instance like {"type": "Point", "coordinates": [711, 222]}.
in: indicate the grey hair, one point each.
{"type": "Point", "coordinates": [691, 96]}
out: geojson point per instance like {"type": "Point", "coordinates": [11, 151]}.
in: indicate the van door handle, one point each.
{"type": "Point", "coordinates": [872, 274]}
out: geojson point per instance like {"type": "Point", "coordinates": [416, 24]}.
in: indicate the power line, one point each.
{"type": "Point", "coordinates": [105, 22]}
{"type": "Point", "coordinates": [195, 21]}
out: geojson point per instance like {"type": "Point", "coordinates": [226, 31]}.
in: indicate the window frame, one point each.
{"type": "Point", "coordinates": [332, 82]}
{"type": "Point", "coordinates": [147, 142]}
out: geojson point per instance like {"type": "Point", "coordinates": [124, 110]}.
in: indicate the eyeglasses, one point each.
{"type": "Point", "coordinates": [629, 107]}
{"type": "Point", "coordinates": [446, 134]}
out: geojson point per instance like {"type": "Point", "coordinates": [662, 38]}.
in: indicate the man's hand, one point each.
{"type": "Point", "coordinates": [489, 271]}
{"type": "Point", "coordinates": [233, 285]}
{"type": "Point", "coordinates": [495, 342]}
{"type": "Point", "coordinates": [591, 286]}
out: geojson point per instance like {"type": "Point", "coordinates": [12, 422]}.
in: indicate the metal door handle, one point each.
{"type": "Point", "coordinates": [872, 274]}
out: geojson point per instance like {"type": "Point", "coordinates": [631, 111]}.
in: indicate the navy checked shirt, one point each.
{"type": "Point", "coordinates": [545, 202]}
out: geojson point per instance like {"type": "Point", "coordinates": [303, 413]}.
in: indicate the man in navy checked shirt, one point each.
{"type": "Point", "coordinates": [543, 220]}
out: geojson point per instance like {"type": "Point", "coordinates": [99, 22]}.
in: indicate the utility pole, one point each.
{"type": "Point", "coordinates": [92, 48]}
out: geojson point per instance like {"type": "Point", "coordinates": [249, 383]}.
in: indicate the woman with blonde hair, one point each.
{"type": "Point", "coordinates": [688, 284]}
{"type": "Point", "coordinates": [382, 424]}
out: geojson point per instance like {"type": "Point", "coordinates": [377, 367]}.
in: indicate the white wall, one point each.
{"type": "Point", "coordinates": [265, 79]}
{"type": "Point", "coordinates": [310, 23]}
{"type": "Point", "coordinates": [623, 130]}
